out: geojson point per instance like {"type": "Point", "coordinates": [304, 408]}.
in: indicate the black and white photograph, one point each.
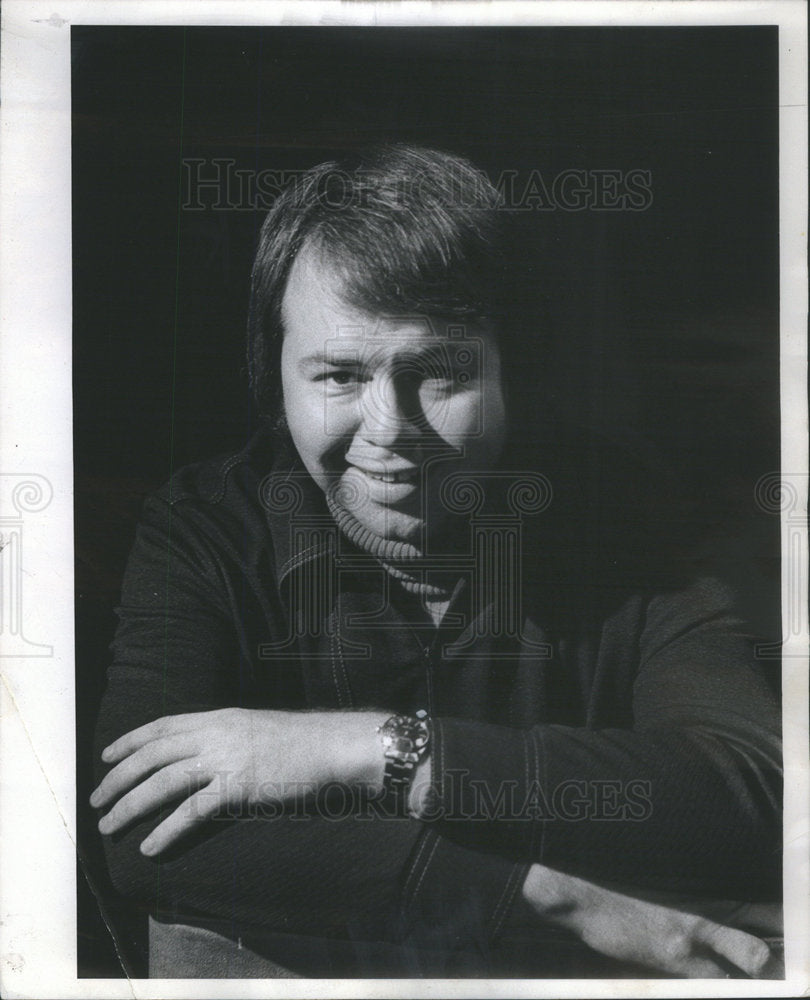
{"type": "Point", "coordinates": [431, 442]}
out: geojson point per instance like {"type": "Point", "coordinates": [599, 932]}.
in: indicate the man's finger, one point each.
{"type": "Point", "coordinates": [697, 968]}
{"type": "Point", "coordinates": [180, 778]}
{"type": "Point", "coordinates": [195, 810]}
{"type": "Point", "coordinates": [748, 953]}
{"type": "Point", "coordinates": [165, 726]}
{"type": "Point", "coordinates": [139, 765]}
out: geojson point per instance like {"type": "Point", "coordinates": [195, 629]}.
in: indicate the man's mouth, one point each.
{"type": "Point", "coordinates": [401, 476]}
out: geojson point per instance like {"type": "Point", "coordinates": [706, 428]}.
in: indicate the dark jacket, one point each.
{"type": "Point", "coordinates": [609, 730]}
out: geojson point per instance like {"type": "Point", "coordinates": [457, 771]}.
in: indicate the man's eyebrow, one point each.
{"type": "Point", "coordinates": [330, 358]}
{"type": "Point", "coordinates": [431, 354]}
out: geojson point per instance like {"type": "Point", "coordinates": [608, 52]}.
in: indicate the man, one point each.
{"type": "Point", "coordinates": [378, 705]}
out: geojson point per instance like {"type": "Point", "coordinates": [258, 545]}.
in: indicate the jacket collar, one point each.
{"type": "Point", "coordinates": [301, 528]}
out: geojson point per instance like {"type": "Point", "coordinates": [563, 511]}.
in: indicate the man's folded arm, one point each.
{"type": "Point", "coordinates": [177, 651]}
{"type": "Point", "coordinates": [686, 800]}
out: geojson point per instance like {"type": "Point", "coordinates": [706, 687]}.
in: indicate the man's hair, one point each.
{"type": "Point", "coordinates": [408, 230]}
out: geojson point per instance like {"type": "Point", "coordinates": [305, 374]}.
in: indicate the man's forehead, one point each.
{"type": "Point", "coordinates": [316, 311]}
{"type": "Point", "coordinates": [378, 330]}
{"type": "Point", "coordinates": [399, 344]}
{"type": "Point", "coordinates": [407, 338]}
{"type": "Point", "coordinates": [314, 289]}
{"type": "Point", "coordinates": [315, 306]}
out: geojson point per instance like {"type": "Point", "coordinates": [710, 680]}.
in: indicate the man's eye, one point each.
{"type": "Point", "coordinates": [439, 379]}
{"type": "Point", "coordinates": [339, 377]}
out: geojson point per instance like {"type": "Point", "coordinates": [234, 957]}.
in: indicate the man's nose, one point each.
{"type": "Point", "coordinates": [390, 411]}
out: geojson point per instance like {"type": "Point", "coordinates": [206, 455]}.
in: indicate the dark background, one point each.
{"type": "Point", "coordinates": [664, 321]}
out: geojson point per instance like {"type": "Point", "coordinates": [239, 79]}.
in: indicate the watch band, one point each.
{"type": "Point", "coordinates": [405, 739]}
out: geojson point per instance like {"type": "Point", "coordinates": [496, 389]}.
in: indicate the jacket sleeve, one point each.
{"type": "Point", "coordinates": [177, 649]}
{"type": "Point", "coordinates": [685, 798]}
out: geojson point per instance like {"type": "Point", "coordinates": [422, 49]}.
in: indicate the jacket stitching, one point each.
{"type": "Point", "coordinates": [233, 461]}
{"type": "Point", "coordinates": [530, 744]}
{"type": "Point", "coordinates": [495, 919]}
{"type": "Point", "coordinates": [424, 870]}
{"type": "Point", "coordinates": [441, 765]}
{"type": "Point", "coordinates": [435, 760]}
{"type": "Point", "coordinates": [526, 763]}
{"type": "Point", "coordinates": [214, 497]}
{"type": "Point", "coordinates": [301, 557]}
{"type": "Point", "coordinates": [344, 672]}
{"type": "Point", "coordinates": [415, 864]}
{"type": "Point", "coordinates": [333, 659]}
{"type": "Point", "coordinates": [336, 648]}
{"type": "Point", "coordinates": [510, 889]}
{"type": "Point", "coordinates": [539, 853]}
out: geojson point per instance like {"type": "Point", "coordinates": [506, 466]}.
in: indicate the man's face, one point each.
{"type": "Point", "coordinates": [383, 409]}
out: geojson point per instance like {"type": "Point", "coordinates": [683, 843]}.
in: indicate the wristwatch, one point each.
{"type": "Point", "coordinates": [405, 739]}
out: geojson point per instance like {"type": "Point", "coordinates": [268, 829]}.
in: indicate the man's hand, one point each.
{"type": "Point", "coordinates": [649, 934]}
{"type": "Point", "coordinates": [232, 757]}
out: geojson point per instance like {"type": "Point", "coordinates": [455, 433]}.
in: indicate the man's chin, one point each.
{"type": "Point", "coordinates": [395, 525]}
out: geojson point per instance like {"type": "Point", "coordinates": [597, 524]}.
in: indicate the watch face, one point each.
{"type": "Point", "coordinates": [404, 737]}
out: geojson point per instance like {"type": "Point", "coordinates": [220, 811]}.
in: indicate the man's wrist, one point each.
{"type": "Point", "coordinates": [357, 756]}
{"type": "Point", "coordinates": [552, 895]}
{"type": "Point", "coordinates": [419, 792]}
{"type": "Point", "coordinates": [352, 747]}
